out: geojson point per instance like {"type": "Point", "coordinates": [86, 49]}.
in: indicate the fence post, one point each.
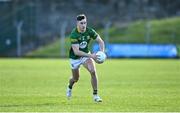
{"type": "Point", "coordinates": [18, 37]}
{"type": "Point", "coordinates": [62, 39]}
{"type": "Point", "coordinates": [106, 31]}
{"type": "Point", "coordinates": [148, 32]}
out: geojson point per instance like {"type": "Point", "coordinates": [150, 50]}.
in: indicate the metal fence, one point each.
{"type": "Point", "coordinates": [27, 25]}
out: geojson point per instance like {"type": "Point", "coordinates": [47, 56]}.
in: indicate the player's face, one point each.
{"type": "Point", "coordinates": [82, 25]}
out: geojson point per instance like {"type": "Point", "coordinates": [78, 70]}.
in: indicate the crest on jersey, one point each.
{"type": "Point", "coordinates": [83, 44]}
{"type": "Point", "coordinates": [83, 37]}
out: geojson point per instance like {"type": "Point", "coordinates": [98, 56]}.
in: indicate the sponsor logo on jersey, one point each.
{"type": "Point", "coordinates": [83, 44]}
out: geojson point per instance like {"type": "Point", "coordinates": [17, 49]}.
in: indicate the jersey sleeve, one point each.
{"type": "Point", "coordinates": [93, 34]}
{"type": "Point", "coordinates": [73, 39]}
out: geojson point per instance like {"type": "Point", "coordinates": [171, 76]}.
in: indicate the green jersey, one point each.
{"type": "Point", "coordinates": [82, 39]}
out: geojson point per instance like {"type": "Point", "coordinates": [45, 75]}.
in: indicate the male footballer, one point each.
{"type": "Point", "coordinates": [79, 54]}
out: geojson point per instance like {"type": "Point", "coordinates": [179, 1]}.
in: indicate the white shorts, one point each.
{"type": "Point", "coordinates": [76, 63]}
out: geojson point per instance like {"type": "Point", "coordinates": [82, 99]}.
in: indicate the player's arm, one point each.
{"type": "Point", "coordinates": [77, 52]}
{"type": "Point", "coordinates": [101, 43]}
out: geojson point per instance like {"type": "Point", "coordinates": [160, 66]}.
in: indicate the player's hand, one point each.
{"type": "Point", "coordinates": [93, 56]}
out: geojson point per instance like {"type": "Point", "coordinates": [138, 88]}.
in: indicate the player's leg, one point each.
{"type": "Point", "coordinates": [90, 66]}
{"type": "Point", "coordinates": [72, 80]}
{"type": "Point", "coordinates": [75, 65]}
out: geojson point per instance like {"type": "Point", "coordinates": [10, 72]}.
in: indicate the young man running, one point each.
{"type": "Point", "coordinates": [80, 55]}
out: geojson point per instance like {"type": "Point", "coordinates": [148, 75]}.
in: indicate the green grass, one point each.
{"type": "Point", "coordinates": [51, 50]}
{"type": "Point", "coordinates": [125, 85]}
{"type": "Point", "coordinates": [161, 31]}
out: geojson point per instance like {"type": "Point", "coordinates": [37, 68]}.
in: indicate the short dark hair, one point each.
{"type": "Point", "coordinates": [80, 17]}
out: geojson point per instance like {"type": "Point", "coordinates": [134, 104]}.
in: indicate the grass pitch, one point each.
{"type": "Point", "coordinates": [125, 85]}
